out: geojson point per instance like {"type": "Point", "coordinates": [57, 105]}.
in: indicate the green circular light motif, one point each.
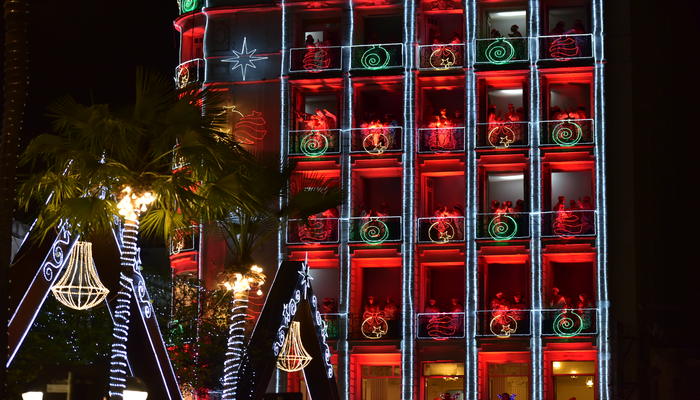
{"type": "Point", "coordinates": [567, 326]}
{"type": "Point", "coordinates": [188, 5]}
{"type": "Point", "coordinates": [376, 57]}
{"type": "Point", "coordinates": [567, 134]}
{"type": "Point", "coordinates": [500, 52]}
{"type": "Point", "coordinates": [502, 227]}
{"type": "Point", "coordinates": [374, 232]}
{"type": "Point", "coordinates": [314, 144]}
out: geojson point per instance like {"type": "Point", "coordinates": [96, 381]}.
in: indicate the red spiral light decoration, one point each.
{"type": "Point", "coordinates": [316, 59]}
{"type": "Point", "coordinates": [251, 128]}
{"type": "Point", "coordinates": [564, 48]}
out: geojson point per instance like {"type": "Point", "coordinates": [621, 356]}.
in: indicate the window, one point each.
{"type": "Point", "coordinates": [381, 382]}
{"type": "Point", "coordinates": [573, 379]}
{"type": "Point", "coordinates": [510, 378]}
{"type": "Point", "coordinates": [443, 380]}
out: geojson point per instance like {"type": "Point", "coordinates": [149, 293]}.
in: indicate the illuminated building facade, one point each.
{"type": "Point", "coordinates": [468, 259]}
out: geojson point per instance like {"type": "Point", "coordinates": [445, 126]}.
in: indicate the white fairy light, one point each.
{"type": "Point", "coordinates": [80, 287]}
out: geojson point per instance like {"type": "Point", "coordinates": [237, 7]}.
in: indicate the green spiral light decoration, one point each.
{"type": "Point", "coordinates": [376, 57]}
{"type": "Point", "coordinates": [567, 324]}
{"type": "Point", "coordinates": [500, 52]}
{"type": "Point", "coordinates": [189, 5]}
{"type": "Point", "coordinates": [502, 227]}
{"type": "Point", "coordinates": [374, 232]}
{"type": "Point", "coordinates": [567, 134]}
{"type": "Point", "coordinates": [314, 144]}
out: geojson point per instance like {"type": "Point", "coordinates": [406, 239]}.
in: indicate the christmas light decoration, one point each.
{"type": "Point", "coordinates": [503, 325]}
{"type": "Point", "coordinates": [502, 227]}
{"type": "Point", "coordinates": [441, 231]}
{"type": "Point", "coordinates": [293, 356]}
{"type": "Point", "coordinates": [250, 128]}
{"type": "Point", "coordinates": [132, 204]}
{"type": "Point", "coordinates": [80, 287]}
{"type": "Point", "coordinates": [374, 231]}
{"type": "Point", "coordinates": [567, 133]}
{"type": "Point", "coordinates": [374, 58]}
{"type": "Point", "coordinates": [316, 59]}
{"type": "Point", "coordinates": [566, 224]}
{"type": "Point", "coordinates": [314, 144]}
{"type": "Point", "coordinates": [374, 326]}
{"type": "Point", "coordinates": [442, 58]}
{"type": "Point", "coordinates": [182, 76]}
{"type": "Point", "coordinates": [442, 326]}
{"type": "Point", "coordinates": [499, 51]}
{"type": "Point", "coordinates": [564, 48]}
{"type": "Point", "coordinates": [189, 5]}
{"type": "Point", "coordinates": [567, 323]}
{"type": "Point", "coordinates": [244, 58]}
{"type": "Point", "coordinates": [377, 138]}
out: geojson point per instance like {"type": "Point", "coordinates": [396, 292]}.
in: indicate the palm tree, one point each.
{"type": "Point", "coordinates": [103, 162]}
{"type": "Point", "coordinates": [248, 233]}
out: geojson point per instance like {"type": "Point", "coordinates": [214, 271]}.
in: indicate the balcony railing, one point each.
{"type": "Point", "coordinates": [314, 143]}
{"type": "Point", "coordinates": [441, 229]}
{"type": "Point", "coordinates": [189, 73]}
{"type": "Point", "coordinates": [441, 57]}
{"type": "Point", "coordinates": [375, 325]}
{"type": "Point", "coordinates": [503, 226]}
{"type": "Point", "coordinates": [184, 240]}
{"type": "Point", "coordinates": [441, 140]}
{"type": "Point", "coordinates": [312, 230]}
{"type": "Point", "coordinates": [569, 322]}
{"type": "Point", "coordinates": [375, 230]}
{"type": "Point", "coordinates": [374, 57]}
{"type": "Point", "coordinates": [376, 139]}
{"type": "Point", "coordinates": [440, 326]}
{"type": "Point", "coordinates": [499, 51]}
{"type": "Point", "coordinates": [568, 223]}
{"type": "Point", "coordinates": [502, 135]}
{"type": "Point", "coordinates": [565, 47]}
{"type": "Point", "coordinates": [567, 132]}
{"type": "Point", "coordinates": [504, 323]}
{"type": "Point", "coordinates": [315, 58]}
{"type": "Point", "coordinates": [333, 321]}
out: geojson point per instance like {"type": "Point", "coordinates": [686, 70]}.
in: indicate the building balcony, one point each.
{"type": "Point", "coordinates": [441, 140]}
{"type": "Point", "coordinates": [376, 139]}
{"type": "Point", "coordinates": [440, 326]}
{"type": "Point", "coordinates": [500, 51]}
{"type": "Point", "coordinates": [441, 229]}
{"type": "Point", "coordinates": [441, 57]}
{"type": "Point", "coordinates": [567, 323]}
{"type": "Point", "coordinates": [503, 323]}
{"type": "Point", "coordinates": [502, 135]}
{"type": "Point", "coordinates": [375, 230]}
{"type": "Point", "coordinates": [565, 47]}
{"type": "Point", "coordinates": [312, 230]}
{"type": "Point", "coordinates": [568, 223]}
{"type": "Point", "coordinates": [503, 227]}
{"type": "Point", "coordinates": [184, 240]}
{"type": "Point", "coordinates": [189, 73]}
{"type": "Point", "coordinates": [315, 59]}
{"type": "Point", "coordinates": [314, 143]}
{"type": "Point", "coordinates": [375, 57]}
{"type": "Point", "coordinates": [374, 326]}
{"type": "Point", "coordinates": [567, 132]}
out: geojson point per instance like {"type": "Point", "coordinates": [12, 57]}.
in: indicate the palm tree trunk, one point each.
{"type": "Point", "coordinates": [122, 311]}
{"type": "Point", "coordinates": [15, 93]}
{"type": "Point", "coordinates": [236, 340]}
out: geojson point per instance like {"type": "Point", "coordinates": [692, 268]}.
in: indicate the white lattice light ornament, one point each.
{"type": "Point", "coordinates": [293, 356]}
{"type": "Point", "coordinates": [80, 287]}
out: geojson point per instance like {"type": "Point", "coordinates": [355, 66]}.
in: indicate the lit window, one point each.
{"type": "Point", "coordinates": [573, 379]}
{"type": "Point", "coordinates": [444, 381]}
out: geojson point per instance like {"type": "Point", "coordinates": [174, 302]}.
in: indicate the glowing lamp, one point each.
{"type": "Point", "coordinates": [135, 389]}
{"type": "Point", "coordinates": [589, 383]}
{"type": "Point", "coordinates": [556, 365]}
{"type": "Point", "coordinates": [33, 395]}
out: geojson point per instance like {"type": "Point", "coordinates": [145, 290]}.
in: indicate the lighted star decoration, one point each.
{"type": "Point", "coordinates": [244, 58]}
{"type": "Point", "coordinates": [447, 62]}
{"type": "Point", "coordinates": [505, 141]}
{"type": "Point", "coordinates": [306, 277]}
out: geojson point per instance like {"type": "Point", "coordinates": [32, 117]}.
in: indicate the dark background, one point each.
{"type": "Point", "coordinates": [90, 49]}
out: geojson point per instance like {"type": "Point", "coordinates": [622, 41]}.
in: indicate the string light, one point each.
{"type": "Point", "coordinates": [244, 58]}
{"type": "Point", "coordinates": [80, 287]}
{"type": "Point", "coordinates": [293, 356]}
{"type": "Point", "coordinates": [374, 58]}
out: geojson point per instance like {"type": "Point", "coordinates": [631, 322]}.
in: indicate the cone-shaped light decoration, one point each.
{"type": "Point", "coordinates": [80, 287]}
{"type": "Point", "coordinates": [293, 355]}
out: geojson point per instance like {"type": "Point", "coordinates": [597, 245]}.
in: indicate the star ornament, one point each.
{"type": "Point", "coordinates": [305, 277]}
{"type": "Point", "coordinates": [244, 58]}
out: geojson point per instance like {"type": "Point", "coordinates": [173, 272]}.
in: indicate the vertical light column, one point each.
{"type": "Point", "coordinates": [471, 370]}
{"type": "Point", "coordinates": [536, 359]}
{"type": "Point", "coordinates": [601, 203]}
{"type": "Point", "coordinates": [345, 212]}
{"type": "Point", "coordinates": [408, 366]}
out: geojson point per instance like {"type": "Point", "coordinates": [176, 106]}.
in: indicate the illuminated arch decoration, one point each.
{"type": "Point", "coordinates": [567, 133]}
{"type": "Point", "coordinates": [189, 5]}
{"type": "Point", "coordinates": [502, 227]}
{"type": "Point", "coordinates": [568, 323]}
{"type": "Point", "coordinates": [374, 231]}
{"type": "Point", "coordinates": [80, 287]}
{"type": "Point", "coordinates": [244, 58]}
{"type": "Point", "coordinates": [503, 325]}
{"type": "Point", "coordinates": [316, 59]}
{"type": "Point", "coordinates": [564, 48]}
{"type": "Point", "coordinates": [314, 144]}
{"type": "Point", "coordinates": [501, 136]}
{"type": "Point", "coordinates": [374, 58]}
{"type": "Point", "coordinates": [376, 141]}
{"type": "Point", "coordinates": [442, 59]}
{"type": "Point", "coordinates": [374, 327]}
{"type": "Point", "coordinates": [499, 52]}
{"type": "Point", "coordinates": [293, 356]}
{"type": "Point", "coordinates": [290, 299]}
{"type": "Point", "coordinates": [441, 231]}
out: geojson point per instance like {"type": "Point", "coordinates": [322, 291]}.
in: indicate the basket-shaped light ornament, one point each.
{"type": "Point", "coordinates": [80, 288]}
{"type": "Point", "coordinates": [293, 356]}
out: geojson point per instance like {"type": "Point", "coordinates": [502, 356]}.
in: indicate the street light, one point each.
{"type": "Point", "coordinates": [32, 395]}
{"type": "Point", "coordinates": [135, 389]}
